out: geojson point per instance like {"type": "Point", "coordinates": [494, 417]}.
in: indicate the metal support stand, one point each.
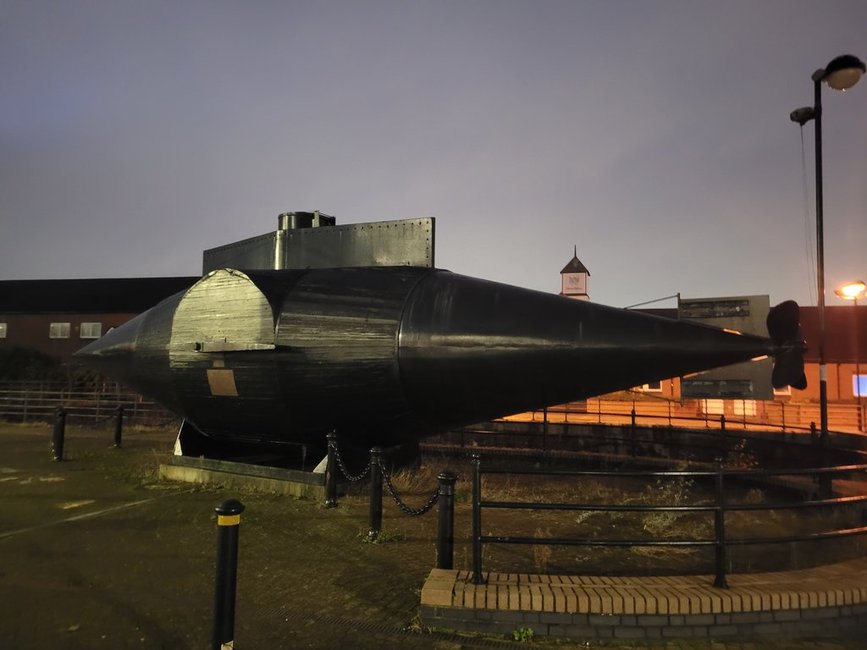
{"type": "Point", "coordinates": [720, 530]}
{"type": "Point", "coordinates": [477, 520]}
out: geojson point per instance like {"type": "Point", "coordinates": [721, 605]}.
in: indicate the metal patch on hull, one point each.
{"type": "Point", "coordinates": [221, 381]}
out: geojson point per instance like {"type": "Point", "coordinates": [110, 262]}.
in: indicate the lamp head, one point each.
{"type": "Point", "coordinates": [803, 115]}
{"type": "Point", "coordinates": [851, 290]}
{"type": "Point", "coordinates": [843, 72]}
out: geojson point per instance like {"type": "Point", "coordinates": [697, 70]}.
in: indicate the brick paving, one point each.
{"type": "Point", "coordinates": [827, 600]}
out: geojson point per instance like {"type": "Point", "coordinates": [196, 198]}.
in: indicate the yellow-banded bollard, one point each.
{"type": "Point", "coordinates": [228, 522]}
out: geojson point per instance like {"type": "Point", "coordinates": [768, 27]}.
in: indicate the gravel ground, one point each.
{"type": "Point", "coordinates": [98, 553]}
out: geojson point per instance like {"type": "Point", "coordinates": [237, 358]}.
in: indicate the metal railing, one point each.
{"type": "Point", "coordinates": [652, 410]}
{"type": "Point", "coordinates": [38, 402]}
{"type": "Point", "coordinates": [720, 507]}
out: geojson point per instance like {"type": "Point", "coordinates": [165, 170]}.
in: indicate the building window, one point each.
{"type": "Point", "coordinates": [2, 330]}
{"type": "Point", "coordinates": [713, 406]}
{"type": "Point", "coordinates": [90, 330]}
{"type": "Point", "coordinates": [745, 407]}
{"type": "Point", "coordinates": [859, 385]}
{"type": "Point", "coordinates": [58, 331]}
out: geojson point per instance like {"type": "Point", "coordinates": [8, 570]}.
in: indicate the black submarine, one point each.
{"type": "Point", "coordinates": [386, 355]}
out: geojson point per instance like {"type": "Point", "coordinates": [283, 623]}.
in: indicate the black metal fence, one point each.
{"type": "Point", "coordinates": [655, 410]}
{"type": "Point", "coordinates": [719, 509]}
{"type": "Point", "coordinates": [83, 404]}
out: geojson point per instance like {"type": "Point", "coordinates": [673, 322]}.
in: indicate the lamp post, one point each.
{"type": "Point", "coordinates": [852, 291]}
{"type": "Point", "coordinates": [841, 73]}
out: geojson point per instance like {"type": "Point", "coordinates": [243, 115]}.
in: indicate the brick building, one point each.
{"type": "Point", "coordinates": [54, 318]}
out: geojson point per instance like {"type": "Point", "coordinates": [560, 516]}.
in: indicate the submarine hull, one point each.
{"type": "Point", "coordinates": [386, 355]}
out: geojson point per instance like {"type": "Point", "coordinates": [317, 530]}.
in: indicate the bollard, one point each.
{"type": "Point", "coordinates": [446, 521]}
{"type": "Point", "coordinates": [720, 530]}
{"type": "Point", "coordinates": [228, 521]}
{"type": "Point", "coordinates": [331, 473]}
{"type": "Point", "coordinates": [375, 494]}
{"type": "Point", "coordinates": [59, 433]}
{"type": "Point", "coordinates": [118, 427]}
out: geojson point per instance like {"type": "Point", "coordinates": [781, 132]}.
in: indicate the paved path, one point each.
{"type": "Point", "coordinates": [97, 552]}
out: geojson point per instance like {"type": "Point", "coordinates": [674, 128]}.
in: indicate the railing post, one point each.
{"type": "Point", "coordinates": [59, 433]}
{"type": "Point", "coordinates": [375, 494]}
{"type": "Point", "coordinates": [446, 521]}
{"type": "Point", "coordinates": [720, 530]}
{"type": "Point", "coordinates": [228, 522]}
{"type": "Point", "coordinates": [826, 490]}
{"type": "Point", "coordinates": [118, 426]}
{"type": "Point", "coordinates": [477, 520]}
{"type": "Point", "coordinates": [330, 472]}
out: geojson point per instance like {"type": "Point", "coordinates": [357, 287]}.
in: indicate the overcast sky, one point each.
{"type": "Point", "coordinates": [653, 135]}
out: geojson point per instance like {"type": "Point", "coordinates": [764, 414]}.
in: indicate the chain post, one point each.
{"type": "Point", "coordinates": [59, 433]}
{"type": "Point", "coordinates": [228, 522]}
{"type": "Point", "coordinates": [375, 494]}
{"type": "Point", "coordinates": [331, 472]}
{"type": "Point", "coordinates": [720, 529]}
{"type": "Point", "coordinates": [118, 426]}
{"type": "Point", "coordinates": [446, 521]}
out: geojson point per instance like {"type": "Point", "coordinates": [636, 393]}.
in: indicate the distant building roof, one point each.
{"type": "Point", "coordinates": [108, 295]}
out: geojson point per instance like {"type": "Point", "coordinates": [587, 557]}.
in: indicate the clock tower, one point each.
{"type": "Point", "coordinates": [575, 279]}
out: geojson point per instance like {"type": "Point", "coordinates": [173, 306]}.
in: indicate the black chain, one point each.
{"type": "Point", "coordinates": [343, 469]}
{"type": "Point", "coordinates": [400, 504]}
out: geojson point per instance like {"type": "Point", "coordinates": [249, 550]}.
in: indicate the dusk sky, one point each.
{"type": "Point", "coordinates": [653, 135]}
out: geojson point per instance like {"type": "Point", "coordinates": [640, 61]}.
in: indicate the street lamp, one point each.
{"type": "Point", "coordinates": [841, 73]}
{"type": "Point", "coordinates": [852, 291]}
